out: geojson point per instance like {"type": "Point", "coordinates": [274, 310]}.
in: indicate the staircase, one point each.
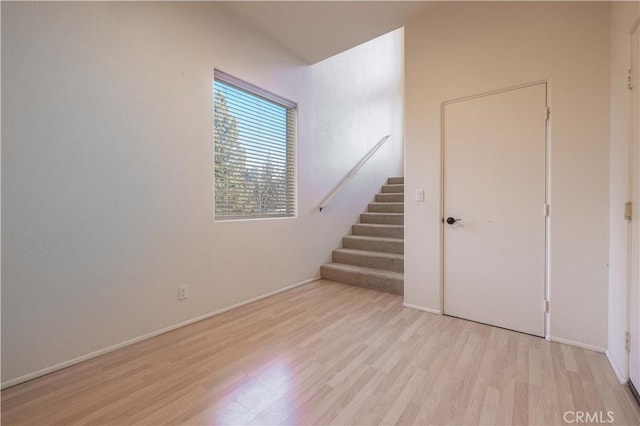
{"type": "Point", "coordinates": [373, 255]}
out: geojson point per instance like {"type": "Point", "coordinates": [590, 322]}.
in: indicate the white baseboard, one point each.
{"type": "Point", "coordinates": [65, 364]}
{"type": "Point", "coordinates": [578, 344]}
{"type": "Point", "coordinates": [422, 308]}
{"type": "Point", "coordinates": [621, 377]}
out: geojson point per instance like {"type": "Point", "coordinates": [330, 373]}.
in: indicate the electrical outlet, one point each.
{"type": "Point", "coordinates": [183, 292]}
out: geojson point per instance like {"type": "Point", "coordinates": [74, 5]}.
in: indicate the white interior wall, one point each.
{"type": "Point", "coordinates": [107, 201]}
{"type": "Point", "coordinates": [357, 98]}
{"type": "Point", "coordinates": [459, 49]}
{"type": "Point", "coordinates": [624, 15]}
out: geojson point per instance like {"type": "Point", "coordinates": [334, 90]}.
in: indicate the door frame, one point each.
{"type": "Point", "coordinates": [547, 281]}
{"type": "Point", "coordinates": [633, 146]}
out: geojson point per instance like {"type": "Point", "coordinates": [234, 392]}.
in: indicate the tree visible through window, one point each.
{"type": "Point", "coordinates": [254, 151]}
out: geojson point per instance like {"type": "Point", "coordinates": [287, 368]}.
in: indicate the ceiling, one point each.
{"type": "Point", "coordinates": [316, 30]}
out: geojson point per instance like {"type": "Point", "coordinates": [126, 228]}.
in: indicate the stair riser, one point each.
{"type": "Point", "coordinates": [382, 219]}
{"type": "Point", "coordinates": [386, 208]}
{"type": "Point", "coordinates": [395, 181]}
{"type": "Point", "coordinates": [390, 285]}
{"type": "Point", "coordinates": [377, 262]}
{"type": "Point", "coordinates": [376, 231]}
{"type": "Point", "coordinates": [389, 198]}
{"type": "Point", "coordinates": [380, 246]}
{"type": "Point", "coordinates": [394, 189]}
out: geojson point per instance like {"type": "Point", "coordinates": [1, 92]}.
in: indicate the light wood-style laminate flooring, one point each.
{"type": "Point", "coordinates": [327, 353]}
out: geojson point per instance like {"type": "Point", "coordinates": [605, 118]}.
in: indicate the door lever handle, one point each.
{"type": "Point", "coordinates": [452, 220]}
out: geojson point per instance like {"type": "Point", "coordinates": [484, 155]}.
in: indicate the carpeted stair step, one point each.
{"type": "Point", "coordinates": [389, 197]}
{"type": "Point", "coordinates": [369, 259]}
{"type": "Point", "coordinates": [394, 188]}
{"type": "Point", "coordinates": [373, 256]}
{"type": "Point", "coordinates": [388, 245]}
{"type": "Point", "coordinates": [391, 282]}
{"type": "Point", "coordinates": [386, 207]}
{"type": "Point", "coordinates": [378, 230]}
{"type": "Point", "coordinates": [382, 218]}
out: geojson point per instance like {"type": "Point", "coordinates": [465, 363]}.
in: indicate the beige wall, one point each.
{"type": "Point", "coordinates": [107, 203]}
{"type": "Point", "coordinates": [460, 49]}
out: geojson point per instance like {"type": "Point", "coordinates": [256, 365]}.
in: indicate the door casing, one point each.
{"type": "Point", "coordinates": [633, 309]}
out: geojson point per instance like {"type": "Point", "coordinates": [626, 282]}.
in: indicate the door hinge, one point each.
{"type": "Point", "coordinates": [547, 113]}
{"type": "Point", "coordinates": [630, 78]}
{"type": "Point", "coordinates": [546, 306]}
{"type": "Point", "coordinates": [628, 210]}
{"type": "Point", "coordinates": [627, 341]}
{"type": "Point", "coordinates": [546, 210]}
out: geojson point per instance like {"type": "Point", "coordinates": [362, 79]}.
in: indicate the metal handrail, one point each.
{"type": "Point", "coordinates": [352, 173]}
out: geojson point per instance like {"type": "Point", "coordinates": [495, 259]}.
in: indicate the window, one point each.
{"type": "Point", "coordinates": [254, 151]}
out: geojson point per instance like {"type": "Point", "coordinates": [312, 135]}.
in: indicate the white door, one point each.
{"type": "Point", "coordinates": [634, 290]}
{"type": "Point", "coordinates": [495, 184]}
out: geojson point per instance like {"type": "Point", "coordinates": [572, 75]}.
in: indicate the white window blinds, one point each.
{"type": "Point", "coordinates": [254, 151]}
